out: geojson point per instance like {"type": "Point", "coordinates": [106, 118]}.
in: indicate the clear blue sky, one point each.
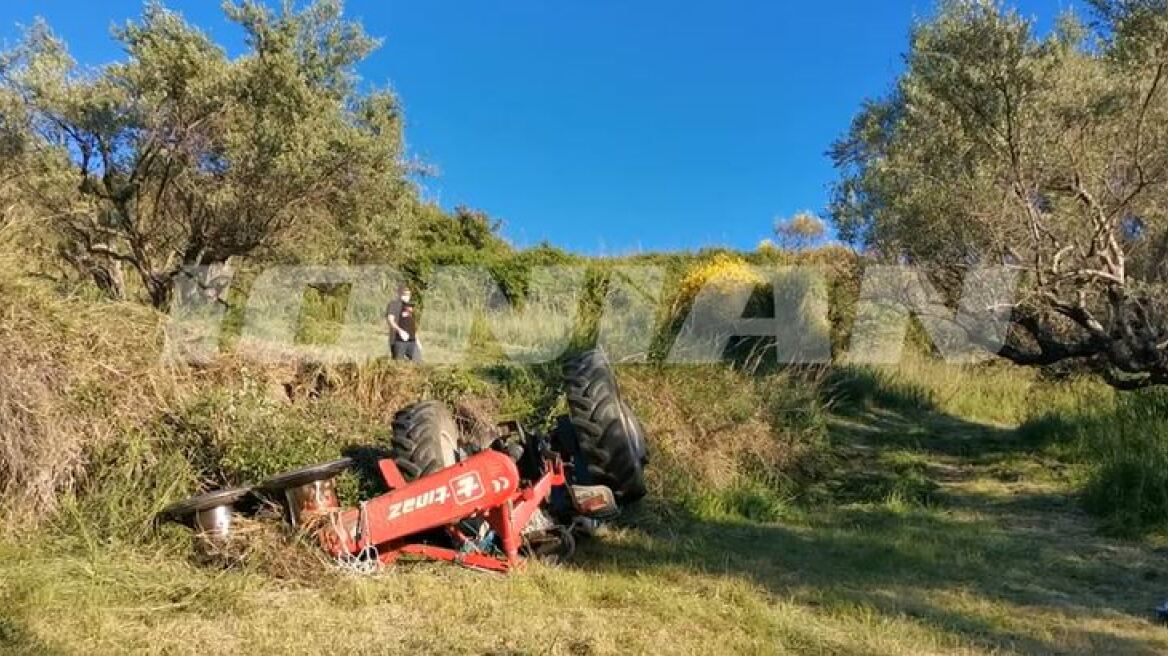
{"type": "Point", "coordinates": [605, 126]}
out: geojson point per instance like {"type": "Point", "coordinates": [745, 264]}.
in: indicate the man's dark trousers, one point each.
{"type": "Point", "coordinates": [405, 350]}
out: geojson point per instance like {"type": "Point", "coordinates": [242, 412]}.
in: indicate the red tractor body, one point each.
{"type": "Point", "coordinates": [485, 486]}
{"type": "Point", "coordinates": [475, 503]}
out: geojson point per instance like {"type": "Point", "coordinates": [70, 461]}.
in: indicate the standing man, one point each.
{"type": "Point", "coordinates": [403, 327]}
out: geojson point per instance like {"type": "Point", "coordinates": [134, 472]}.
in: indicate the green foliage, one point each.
{"type": "Point", "coordinates": [220, 438]}
{"type": "Point", "coordinates": [1130, 488]}
{"type": "Point", "coordinates": [746, 500]}
{"type": "Point", "coordinates": [1122, 444]}
{"type": "Point", "coordinates": [466, 229]}
{"type": "Point", "coordinates": [453, 383]}
{"type": "Point", "coordinates": [509, 269]}
{"type": "Point", "coordinates": [240, 438]}
{"type": "Point", "coordinates": [1047, 154]}
{"type": "Point", "coordinates": [918, 164]}
{"type": "Point", "coordinates": [189, 158]}
{"type": "Point", "coordinates": [129, 483]}
{"type": "Point", "coordinates": [527, 393]}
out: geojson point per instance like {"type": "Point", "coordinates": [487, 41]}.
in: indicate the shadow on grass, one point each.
{"type": "Point", "coordinates": [15, 638]}
{"type": "Point", "coordinates": [901, 564]}
{"type": "Point", "coordinates": [927, 433]}
{"type": "Point", "coordinates": [875, 409]}
{"type": "Point", "coordinates": [906, 452]}
{"type": "Point", "coordinates": [1001, 568]}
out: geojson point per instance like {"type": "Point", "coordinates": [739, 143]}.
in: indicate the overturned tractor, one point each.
{"type": "Point", "coordinates": [449, 498]}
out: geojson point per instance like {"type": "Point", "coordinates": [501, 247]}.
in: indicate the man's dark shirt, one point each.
{"type": "Point", "coordinates": [403, 313]}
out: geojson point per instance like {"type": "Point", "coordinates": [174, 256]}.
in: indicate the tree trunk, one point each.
{"type": "Point", "coordinates": [110, 279]}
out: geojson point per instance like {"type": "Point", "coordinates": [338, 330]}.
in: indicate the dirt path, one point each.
{"type": "Point", "coordinates": [933, 536]}
{"type": "Point", "coordinates": [1054, 583]}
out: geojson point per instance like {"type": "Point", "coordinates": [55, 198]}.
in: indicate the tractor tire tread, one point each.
{"type": "Point", "coordinates": [425, 439]}
{"type": "Point", "coordinates": [595, 410]}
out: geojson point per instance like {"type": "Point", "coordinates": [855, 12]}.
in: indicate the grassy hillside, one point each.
{"type": "Point", "coordinates": [915, 509]}
{"type": "Point", "coordinates": [855, 511]}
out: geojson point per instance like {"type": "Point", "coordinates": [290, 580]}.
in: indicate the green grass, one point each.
{"type": "Point", "coordinates": [930, 533]}
{"type": "Point", "coordinates": [992, 392]}
{"type": "Point", "coordinates": [870, 579]}
{"type": "Point", "coordinates": [1120, 442]}
{"type": "Point", "coordinates": [873, 511]}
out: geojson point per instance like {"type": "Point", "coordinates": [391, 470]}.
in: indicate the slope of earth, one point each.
{"type": "Point", "coordinates": [935, 535]}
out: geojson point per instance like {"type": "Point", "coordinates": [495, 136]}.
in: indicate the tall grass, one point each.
{"type": "Point", "coordinates": [98, 432]}
{"type": "Point", "coordinates": [1116, 442]}
{"type": "Point", "coordinates": [77, 377]}
{"type": "Point", "coordinates": [1122, 441]}
{"type": "Point", "coordinates": [991, 392]}
{"type": "Point", "coordinates": [87, 408]}
{"type": "Point", "coordinates": [1129, 486]}
{"type": "Point", "coordinates": [726, 443]}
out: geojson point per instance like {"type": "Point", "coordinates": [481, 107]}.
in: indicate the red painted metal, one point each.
{"type": "Point", "coordinates": [475, 560]}
{"type": "Point", "coordinates": [391, 474]}
{"type": "Point", "coordinates": [486, 485]}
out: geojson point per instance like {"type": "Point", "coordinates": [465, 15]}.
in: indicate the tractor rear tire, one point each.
{"type": "Point", "coordinates": [425, 440]}
{"type": "Point", "coordinates": [609, 437]}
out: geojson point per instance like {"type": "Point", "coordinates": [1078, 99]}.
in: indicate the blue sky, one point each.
{"type": "Point", "coordinates": [605, 126]}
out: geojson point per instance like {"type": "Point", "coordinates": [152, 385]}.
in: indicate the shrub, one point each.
{"type": "Point", "coordinates": [722, 272]}
{"type": "Point", "coordinates": [1121, 440]}
{"type": "Point", "coordinates": [726, 443]}
{"type": "Point", "coordinates": [1128, 483]}
{"type": "Point", "coordinates": [239, 437]}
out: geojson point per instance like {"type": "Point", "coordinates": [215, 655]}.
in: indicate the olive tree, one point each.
{"type": "Point", "coordinates": [800, 232]}
{"type": "Point", "coordinates": [1048, 155]}
{"type": "Point", "coordinates": [179, 157]}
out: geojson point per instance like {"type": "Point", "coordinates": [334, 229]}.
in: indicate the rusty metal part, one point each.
{"type": "Point", "coordinates": [308, 492]}
{"type": "Point", "coordinates": [311, 500]}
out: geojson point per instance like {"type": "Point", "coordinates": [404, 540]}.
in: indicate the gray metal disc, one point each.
{"type": "Point", "coordinates": [183, 510]}
{"type": "Point", "coordinates": [306, 475]}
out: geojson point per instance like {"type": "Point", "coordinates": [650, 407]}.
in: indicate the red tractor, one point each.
{"type": "Point", "coordinates": [483, 506]}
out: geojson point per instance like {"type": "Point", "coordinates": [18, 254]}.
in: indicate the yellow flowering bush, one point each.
{"type": "Point", "coordinates": [723, 272]}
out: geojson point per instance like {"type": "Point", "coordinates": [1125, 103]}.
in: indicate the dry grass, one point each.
{"type": "Point", "coordinates": [82, 379]}
{"type": "Point", "coordinates": [1002, 564]}
{"type": "Point", "coordinates": [76, 377]}
{"type": "Point", "coordinates": [985, 576]}
{"type": "Point", "coordinates": [712, 424]}
{"type": "Point", "coordinates": [432, 610]}
{"type": "Point", "coordinates": [722, 560]}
